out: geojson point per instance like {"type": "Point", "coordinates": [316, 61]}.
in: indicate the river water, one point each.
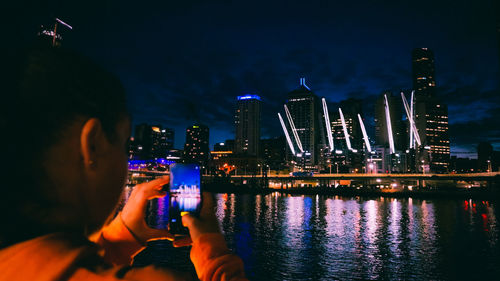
{"type": "Point", "coordinates": [284, 237]}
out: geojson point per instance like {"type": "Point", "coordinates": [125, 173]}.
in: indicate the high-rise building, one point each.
{"type": "Point", "coordinates": [247, 121]}
{"type": "Point", "coordinates": [347, 155]}
{"type": "Point", "coordinates": [196, 147]}
{"type": "Point", "coordinates": [424, 80]}
{"type": "Point", "coordinates": [304, 108]}
{"type": "Point", "coordinates": [431, 114]}
{"type": "Point", "coordinates": [152, 142]}
{"type": "Point", "coordinates": [339, 140]}
{"type": "Point", "coordinates": [339, 158]}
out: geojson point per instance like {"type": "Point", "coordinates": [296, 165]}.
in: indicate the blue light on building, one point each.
{"type": "Point", "coordinates": [249, 97]}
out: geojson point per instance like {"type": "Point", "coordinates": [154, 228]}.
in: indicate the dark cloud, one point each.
{"type": "Point", "coordinates": [474, 117]}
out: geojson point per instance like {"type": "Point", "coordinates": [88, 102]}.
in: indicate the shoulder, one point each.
{"type": "Point", "coordinates": [47, 257]}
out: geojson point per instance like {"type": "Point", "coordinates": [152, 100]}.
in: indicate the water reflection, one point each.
{"type": "Point", "coordinates": [283, 237]}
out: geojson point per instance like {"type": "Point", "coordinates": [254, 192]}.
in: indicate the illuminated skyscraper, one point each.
{"type": "Point", "coordinates": [196, 147]}
{"type": "Point", "coordinates": [430, 113]}
{"type": "Point", "coordinates": [247, 122]}
{"type": "Point", "coordinates": [305, 112]}
{"type": "Point", "coordinates": [424, 81]}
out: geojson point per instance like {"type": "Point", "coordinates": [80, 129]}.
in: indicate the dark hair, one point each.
{"type": "Point", "coordinates": [46, 90]}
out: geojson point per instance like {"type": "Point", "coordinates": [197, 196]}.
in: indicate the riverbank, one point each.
{"type": "Point", "coordinates": [459, 193]}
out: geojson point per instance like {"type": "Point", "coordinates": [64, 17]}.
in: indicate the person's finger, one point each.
{"type": "Point", "coordinates": [153, 189]}
{"type": "Point", "coordinates": [188, 220]}
{"type": "Point", "coordinates": [182, 242]}
{"type": "Point", "coordinates": [156, 183]}
{"type": "Point", "coordinates": [155, 194]}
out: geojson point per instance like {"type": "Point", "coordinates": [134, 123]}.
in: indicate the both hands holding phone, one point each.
{"type": "Point", "coordinates": [185, 208]}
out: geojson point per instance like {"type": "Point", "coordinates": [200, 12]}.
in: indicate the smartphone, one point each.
{"type": "Point", "coordinates": [184, 195]}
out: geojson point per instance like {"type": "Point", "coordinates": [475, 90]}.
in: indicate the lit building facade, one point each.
{"type": "Point", "coordinates": [431, 114]}
{"type": "Point", "coordinates": [345, 159]}
{"type": "Point", "coordinates": [304, 108]}
{"type": "Point", "coordinates": [196, 148]}
{"type": "Point", "coordinates": [247, 125]}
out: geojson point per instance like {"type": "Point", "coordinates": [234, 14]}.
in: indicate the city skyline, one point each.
{"type": "Point", "coordinates": [223, 50]}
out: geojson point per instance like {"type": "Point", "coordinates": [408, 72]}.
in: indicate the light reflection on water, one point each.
{"type": "Point", "coordinates": [283, 237]}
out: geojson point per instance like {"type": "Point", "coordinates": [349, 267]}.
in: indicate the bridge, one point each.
{"type": "Point", "coordinates": [350, 176]}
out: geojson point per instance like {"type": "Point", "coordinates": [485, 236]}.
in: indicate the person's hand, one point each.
{"type": "Point", "coordinates": [134, 211]}
{"type": "Point", "coordinates": [206, 223]}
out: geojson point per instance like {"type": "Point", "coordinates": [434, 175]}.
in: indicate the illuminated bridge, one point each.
{"type": "Point", "coordinates": [464, 176]}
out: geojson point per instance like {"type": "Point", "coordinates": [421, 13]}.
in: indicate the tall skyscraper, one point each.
{"type": "Point", "coordinates": [196, 147]}
{"type": "Point", "coordinates": [304, 108]}
{"type": "Point", "coordinates": [431, 113]}
{"type": "Point", "coordinates": [424, 81]}
{"type": "Point", "coordinates": [152, 142]}
{"type": "Point", "coordinates": [247, 122]}
{"type": "Point", "coordinates": [162, 141]}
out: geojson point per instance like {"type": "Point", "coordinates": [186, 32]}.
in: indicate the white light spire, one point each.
{"type": "Point", "coordinates": [408, 114]}
{"type": "Point", "coordinates": [389, 126]}
{"type": "Point", "coordinates": [294, 130]}
{"type": "Point", "coordinates": [416, 137]}
{"type": "Point", "coordinates": [63, 23]}
{"type": "Point", "coordinates": [328, 124]}
{"type": "Point", "coordinates": [346, 133]}
{"type": "Point", "coordinates": [286, 134]}
{"type": "Point", "coordinates": [412, 139]}
{"type": "Point", "coordinates": [365, 136]}
{"type": "Point", "coordinates": [413, 128]}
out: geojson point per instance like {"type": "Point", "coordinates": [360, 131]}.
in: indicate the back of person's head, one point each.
{"type": "Point", "coordinates": [44, 91]}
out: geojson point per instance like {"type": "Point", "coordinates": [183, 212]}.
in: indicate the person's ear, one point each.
{"type": "Point", "coordinates": [92, 140]}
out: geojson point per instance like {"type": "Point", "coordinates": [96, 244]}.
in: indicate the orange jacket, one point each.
{"type": "Point", "coordinates": [61, 256]}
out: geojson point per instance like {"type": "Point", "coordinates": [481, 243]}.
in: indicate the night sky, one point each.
{"type": "Point", "coordinates": [186, 62]}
